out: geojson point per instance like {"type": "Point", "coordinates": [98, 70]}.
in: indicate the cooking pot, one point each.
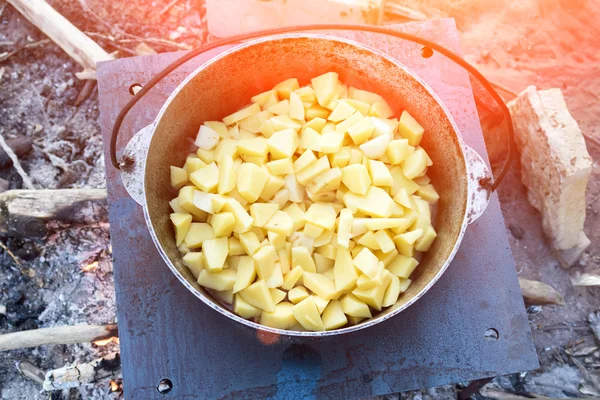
{"type": "Point", "coordinates": [225, 84]}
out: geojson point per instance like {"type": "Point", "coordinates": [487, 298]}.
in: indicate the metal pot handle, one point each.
{"type": "Point", "coordinates": [134, 164]}
{"type": "Point", "coordinates": [480, 184]}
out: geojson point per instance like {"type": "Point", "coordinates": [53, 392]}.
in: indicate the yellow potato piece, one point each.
{"type": "Point", "coordinates": [321, 285]}
{"type": "Point", "coordinates": [296, 214]}
{"type": "Point", "coordinates": [281, 223]}
{"type": "Point", "coordinates": [321, 214]}
{"type": "Point", "coordinates": [276, 239]}
{"type": "Point", "coordinates": [284, 88]}
{"type": "Point", "coordinates": [285, 257]}
{"type": "Point", "coordinates": [366, 262]}
{"type": "Point", "coordinates": [392, 292]}
{"type": "Point", "coordinates": [301, 257]}
{"type": "Point", "coordinates": [374, 297]}
{"type": "Point", "coordinates": [263, 97]}
{"type": "Point", "coordinates": [273, 185]}
{"type": "Point", "coordinates": [277, 295]}
{"type": "Point", "coordinates": [206, 178]}
{"type": "Point", "coordinates": [227, 175]}
{"type": "Point", "coordinates": [295, 190]}
{"type": "Point", "coordinates": [363, 95]}
{"type": "Point", "coordinates": [410, 129]}
{"type": "Point", "coordinates": [354, 307]}
{"type": "Point", "coordinates": [195, 263]}
{"type": "Point", "coordinates": [251, 180]}
{"type": "Point", "coordinates": [325, 87]}
{"type": "Point", "coordinates": [322, 263]}
{"type": "Point", "coordinates": [281, 108]}
{"type": "Point", "coordinates": [310, 140]}
{"type": "Point", "coordinates": [381, 108]}
{"type": "Point", "coordinates": [283, 166]}
{"type": "Point", "coordinates": [342, 111]}
{"type": "Point", "coordinates": [235, 247]}
{"type": "Point", "coordinates": [296, 107]}
{"type": "Point", "coordinates": [276, 278]}
{"type": "Point", "coordinates": [398, 151]}
{"type": "Point", "coordinates": [344, 272]}
{"type": "Point", "coordinates": [246, 273]}
{"type": "Point", "coordinates": [262, 212]}
{"type": "Point", "coordinates": [193, 163]}
{"type": "Point", "coordinates": [405, 241]}
{"type": "Point", "coordinates": [341, 158]}
{"type": "Point", "coordinates": [291, 278]}
{"type": "Point", "coordinates": [310, 172]}
{"type": "Point", "coordinates": [414, 165]}
{"type": "Point", "coordinates": [356, 178]}
{"type": "Point", "coordinates": [241, 114]}
{"type": "Point", "coordinates": [316, 123]}
{"type": "Point", "coordinates": [197, 234]}
{"type": "Point", "coordinates": [243, 220]}
{"type": "Point", "coordinates": [281, 122]}
{"type": "Point", "coordinates": [428, 193]}
{"type": "Point", "coordinates": [307, 314]}
{"type": "Point", "coordinates": [312, 230]}
{"type": "Point", "coordinates": [316, 111]}
{"type": "Point", "coordinates": [215, 253]}
{"type": "Point", "coordinates": [361, 131]}
{"type": "Point", "coordinates": [281, 318]}
{"type": "Point", "coordinates": [221, 280]}
{"type": "Point", "coordinates": [380, 174]}
{"type": "Point", "coordinates": [223, 224]}
{"type": "Point", "coordinates": [179, 177]}
{"type": "Point", "coordinates": [333, 316]}
{"type": "Point", "coordinates": [385, 242]}
{"type": "Point", "coordinates": [402, 266]}
{"type": "Point", "coordinates": [218, 127]}
{"type": "Point", "coordinates": [306, 159]}
{"type": "Point", "coordinates": [425, 241]}
{"type": "Point", "coordinates": [245, 310]}
{"type": "Point", "coordinates": [298, 294]}
{"type": "Point", "coordinates": [328, 251]}
{"type": "Point", "coordinates": [258, 295]}
{"type": "Point", "coordinates": [264, 260]}
{"type": "Point", "coordinates": [182, 223]}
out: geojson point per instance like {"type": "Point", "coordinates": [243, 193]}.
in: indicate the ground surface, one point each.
{"type": "Point", "coordinates": [531, 42]}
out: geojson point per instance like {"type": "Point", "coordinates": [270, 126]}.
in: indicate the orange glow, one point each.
{"type": "Point", "coordinates": [90, 267]}
{"type": "Point", "coordinates": [104, 342]}
{"type": "Point", "coordinates": [114, 386]}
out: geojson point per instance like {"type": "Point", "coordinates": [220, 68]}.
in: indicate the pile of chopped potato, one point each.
{"type": "Point", "coordinates": [307, 209]}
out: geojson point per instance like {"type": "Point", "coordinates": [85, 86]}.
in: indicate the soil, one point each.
{"type": "Point", "coordinates": [516, 44]}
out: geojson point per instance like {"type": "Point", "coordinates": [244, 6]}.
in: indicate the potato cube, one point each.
{"type": "Point", "coordinates": [307, 314]}
{"type": "Point", "coordinates": [310, 140]}
{"type": "Point", "coordinates": [223, 224]}
{"type": "Point", "coordinates": [384, 126]}
{"type": "Point", "coordinates": [273, 185]}
{"type": "Point", "coordinates": [328, 251]}
{"type": "Point", "coordinates": [297, 215]}
{"type": "Point", "coordinates": [316, 111]}
{"type": "Point", "coordinates": [206, 178]}
{"type": "Point", "coordinates": [246, 273]}
{"type": "Point", "coordinates": [344, 272]}
{"type": "Point", "coordinates": [358, 105]}
{"type": "Point", "coordinates": [425, 241]}
{"type": "Point", "coordinates": [281, 108]}
{"type": "Point", "coordinates": [204, 201]}
{"type": "Point", "coordinates": [366, 262]}
{"type": "Point", "coordinates": [218, 127]}
{"type": "Point", "coordinates": [277, 295]}
{"type": "Point", "coordinates": [251, 180]}
{"type": "Point", "coordinates": [285, 257]}
{"type": "Point", "coordinates": [207, 138]}
{"type": "Point", "coordinates": [392, 292]}
{"type": "Point", "coordinates": [342, 111]}
{"type": "Point", "coordinates": [344, 228]}
{"type": "Point", "coordinates": [385, 241]}
{"type": "Point", "coordinates": [235, 247]}
{"type": "Point", "coordinates": [276, 239]}
{"type": "Point", "coordinates": [428, 193]}
{"type": "Point", "coordinates": [312, 230]}
{"type": "Point", "coordinates": [310, 172]}
{"type": "Point", "coordinates": [179, 177]}
{"type": "Point", "coordinates": [321, 214]}
{"type": "Point", "coordinates": [356, 178]}
{"type": "Point", "coordinates": [298, 294]}
{"type": "Point", "coordinates": [374, 296]}
{"type": "Point", "coordinates": [284, 88]}
{"type": "Point", "coordinates": [283, 166]}
{"type": "Point", "coordinates": [377, 146]}
{"type": "Point", "coordinates": [241, 114]}
{"type": "Point", "coordinates": [404, 199]}
{"type": "Point", "coordinates": [258, 295]}
{"type": "Point", "coordinates": [320, 303]}
{"type": "Point", "coordinates": [361, 131]}
{"type": "Point", "coordinates": [415, 164]}
{"type": "Point", "coordinates": [195, 263]}
{"type": "Point", "coordinates": [316, 123]}
{"type": "Point", "coordinates": [220, 280]}
{"type": "Point", "coordinates": [276, 278]}
{"type": "Point", "coordinates": [321, 285]}
{"type": "Point", "coordinates": [295, 190]}
{"type": "Point", "coordinates": [402, 266]}
{"type": "Point", "coordinates": [281, 318]}
{"type": "Point", "coordinates": [197, 234]}
{"type": "Point", "coordinates": [193, 163]}
{"type": "Point", "coordinates": [283, 144]}
{"type": "Point", "coordinates": [296, 107]}
{"type": "Point", "coordinates": [398, 151]}
{"type": "Point", "coordinates": [368, 240]}
{"type": "Point", "coordinates": [245, 310]}
{"type": "Point", "coordinates": [363, 95]}
{"type": "Point", "coordinates": [257, 146]}
{"type": "Point", "coordinates": [292, 277]}
{"type": "Point", "coordinates": [264, 259]}
{"type": "Point", "coordinates": [405, 241]}
{"type": "Point", "coordinates": [307, 158]}
{"type": "Point", "coordinates": [263, 97]}
{"type": "Point", "coordinates": [206, 156]}
{"type": "Point", "coordinates": [227, 175]}
{"type": "Point", "coordinates": [324, 237]}
{"type": "Point", "coordinates": [422, 180]}
{"type": "Point", "coordinates": [233, 133]}
{"type": "Point", "coordinates": [401, 181]}
{"type": "Point", "coordinates": [281, 122]}
{"type": "Point", "coordinates": [301, 256]}
{"type": "Point", "coordinates": [262, 212]}
{"type": "Point", "coordinates": [215, 253]}
{"type": "Point", "coordinates": [281, 197]}
{"type": "Point", "coordinates": [249, 242]}
{"type": "Point", "coordinates": [322, 263]}
{"type": "Point", "coordinates": [410, 129]}
{"type": "Point", "coordinates": [243, 220]}
{"type": "Point", "coordinates": [354, 307]}
{"type": "Point", "coordinates": [325, 87]}
{"type": "Point", "coordinates": [333, 316]}
{"type": "Point", "coordinates": [182, 223]}
{"type": "Point", "coordinates": [267, 129]}
{"type": "Point", "coordinates": [341, 158]}
{"type": "Point", "coordinates": [364, 282]}
{"type": "Point", "coordinates": [381, 108]}
{"type": "Point", "coordinates": [176, 207]}
{"type": "Point", "coordinates": [281, 223]}
{"type": "Point", "coordinates": [225, 296]}
{"type": "Point", "coordinates": [380, 175]}
{"type": "Point", "coordinates": [331, 142]}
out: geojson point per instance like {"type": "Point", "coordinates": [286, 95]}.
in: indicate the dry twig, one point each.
{"type": "Point", "coordinates": [26, 180]}
{"type": "Point", "coordinates": [57, 335]}
{"type": "Point", "coordinates": [7, 55]}
{"type": "Point", "coordinates": [31, 371]}
{"type": "Point", "coordinates": [11, 254]}
{"type": "Point", "coordinates": [538, 294]}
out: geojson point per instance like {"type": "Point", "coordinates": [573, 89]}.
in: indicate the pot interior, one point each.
{"type": "Point", "coordinates": [226, 85]}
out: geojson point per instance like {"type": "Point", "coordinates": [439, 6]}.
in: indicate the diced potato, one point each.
{"type": "Point", "coordinates": [235, 247]}
{"type": "Point", "coordinates": [281, 108]}
{"type": "Point", "coordinates": [384, 126]}
{"type": "Point", "coordinates": [296, 107]}
{"type": "Point", "coordinates": [301, 257]}
{"type": "Point", "coordinates": [281, 318]}
{"type": "Point", "coordinates": [331, 142]}
{"type": "Point", "coordinates": [267, 129]}
{"type": "Point", "coordinates": [215, 253]}
{"type": "Point", "coordinates": [245, 310]}
{"type": "Point", "coordinates": [341, 158]}
{"type": "Point", "coordinates": [281, 197]}
{"type": "Point", "coordinates": [402, 266]}
{"type": "Point", "coordinates": [344, 272]}
{"type": "Point", "coordinates": [363, 95]}
{"type": "Point", "coordinates": [198, 233]}
{"type": "Point", "coordinates": [273, 185]}
{"type": "Point", "coordinates": [206, 156]}
{"type": "Point", "coordinates": [297, 215]}
{"type": "Point", "coordinates": [223, 224]}
{"type": "Point", "coordinates": [422, 180]}
{"type": "Point", "coordinates": [325, 237]}
{"type": "Point", "coordinates": [204, 201]}
{"type": "Point", "coordinates": [322, 263]}
{"type": "Point", "coordinates": [276, 239]}
{"type": "Point", "coordinates": [218, 127]}
{"type": "Point", "coordinates": [306, 159]}
{"type": "Point", "coordinates": [428, 193]}
{"type": "Point", "coordinates": [356, 178]}
{"type": "Point", "coordinates": [251, 181]}
{"type": "Point", "coordinates": [220, 280]}
{"type": "Point", "coordinates": [286, 87]}
{"type": "Point", "coordinates": [358, 105]}
{"type": "Point", "coordinates": [281, 122]}
{"type": "Point", "coordinates": [366, 262]}
{"type": "Point", "coordinates": [328, 251]}
{"type": "Point", "coordinates": [263, 97]}
{"type": "Point", "coordinates": [399, 150]}
{"type": "Point", "coordinates": [195, 263]}
{"type": "Point", "coordinates": [182, 223]}
{"type": "Point", "coordinates": [333, 316]}
{"type": "Point", "coordinates": [241, 114]}
{"type": "Point", "coordinates": [361, 131]}
{"type": "Point", "coordinates": [310, 140]}
{"type": "Point", "coordinates": [381, 108]}
{"type": "Point", "coordinates": [342, 111]}
{"type": "Point", "coordinates": [292, 277]}
{"type": "Point", "coordinates": [356, 156]}
{"type": "Point", "coordinates": [325, 87]}
{"type": "Point", "coordinates": [377, 146]}
{"type": "Point", "coordinates": [295, 189]}
{"type": "Point", "coordinates": [179, 177]}
{"type": "Point", "coordinates": [320, 303]}
{"type": "Point", "coordinates": [377, 203]}
{"type": "Point", "coordinates": [307, 314]}
{"type": "Point", "coordinates": [280, 223]}
{"type": "Point", "coordinates": [233, 133]}
{"type": "Point", "coordinates": [410, 129]}
{"type": "Point", "coordinates": [374, 297]}
{"type": "Point", "coordinates": [321, 214]}
{"type": "Point", "coordinates": [405, 241]}
{"type": "Point", "coordinates": [425, 241]}
{"type": "Point", "coordinates": [380, 175]}
{"type": "Point", "coordinates": [276, 278]}
{"type": "Point", "coordinates": [253, 147]}
{"type": "Point", "coordinates": [243, 220]}
{"type": "Point", "coordinates": [283, 166]}
{"type": "Point", "coordinates": [277, 295]}
{"type": "Point", "coordinates": [246, 273]}
{"type": "Point", "coordinates": [401, 181]}
{"type": "Point", "coordinates": [385, 241]}
{"type": "Point", "coordinates": [298, 294]}
{"type": "Point", "coordinates": [225, 296]}
{"type": "Point", "coordinates": [392, 292]}
{"type": "Point", "coordinates": [285, 257]}
{"type": "Point", "coordinates": [321, 285]}
{"type": "Point", "coordinates": [316, 123]}
{"type": "Point", "coordinates": [264, 260]}
{"type": "Point", "coordinates": [176, 207]}
{"type": "Point", "coordinates": [316, 111]}
{"type": "Point", "coordinates": [344, 228]}
{"type": "Point", "coordinates": [415, 164]}
{"type": "Point", "coordinates": [312, 230]}
{"type": "Point", "coordinates": [262, 212]}
{"type": "Point", "coordinates": [310, 172]}
{"type": "Point", "coordinates": [365, 283]}
{"type": "Point", "coordinates": [354, 307]}
{"type": "Point", "coordinates": [368, 240]}
{"type": "Point", "coordinates": [207, 138]}
{"type": "Point", "coordinates": [258, 295]}
{"type": "Point", "coordinates": [206, 178]}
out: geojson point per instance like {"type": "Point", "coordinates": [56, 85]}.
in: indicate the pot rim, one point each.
{"type": "Point", "coordinates": [230, 314]}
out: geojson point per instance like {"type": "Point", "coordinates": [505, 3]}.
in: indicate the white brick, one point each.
{"type": "Point", "coordinates": [555, 164]}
